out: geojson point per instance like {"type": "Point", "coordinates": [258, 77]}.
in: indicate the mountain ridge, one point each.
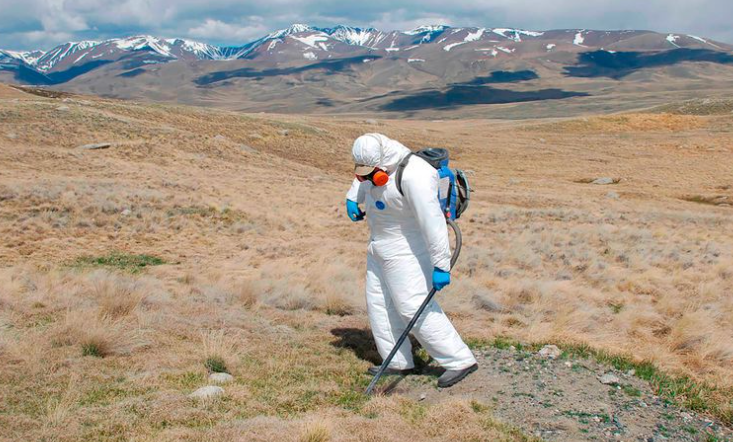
{"type": "Point", "coordinates": [320, 38]}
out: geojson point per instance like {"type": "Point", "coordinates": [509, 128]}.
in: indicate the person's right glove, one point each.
{"type": "Point", "coordinates": [355, 213]}
{"type": "Point", "coordinates": [440, 278]}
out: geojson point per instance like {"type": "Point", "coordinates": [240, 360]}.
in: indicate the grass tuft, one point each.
{"type": "Point", "coordinates": [92, 349]}
{"type": "Point", "coordinates": [315, 432]}
{"type": "Point", "coordinates": [215, 364]}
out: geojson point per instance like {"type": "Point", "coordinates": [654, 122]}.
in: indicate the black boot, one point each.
{"type": "Point", "coordinates": [452, 377]}
{"type": "Point", "coordinates": [390, 371]}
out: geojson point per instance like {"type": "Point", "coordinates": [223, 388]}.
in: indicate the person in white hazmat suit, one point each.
{"type": "Point", "coordinates": [408, 253]}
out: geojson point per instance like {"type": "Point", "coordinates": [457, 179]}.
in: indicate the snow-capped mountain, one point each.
{"type": "Point", "coordinates": [302, 43]}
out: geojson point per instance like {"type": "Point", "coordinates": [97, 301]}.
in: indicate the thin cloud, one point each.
{"type": "Point", "coordinates": [30, 23]}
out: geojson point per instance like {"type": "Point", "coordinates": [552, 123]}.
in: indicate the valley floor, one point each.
{"type": "Point", "coordinates": [204, 240]}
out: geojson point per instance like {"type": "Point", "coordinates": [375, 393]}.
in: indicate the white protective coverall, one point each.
{"type": "Point", "coordinates": [409, 237]}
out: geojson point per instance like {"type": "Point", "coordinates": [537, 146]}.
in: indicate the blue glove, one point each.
{"type": "Point", "coordinates": [440, 278]}
{"type": "Point", "coordinates": [355, 213]}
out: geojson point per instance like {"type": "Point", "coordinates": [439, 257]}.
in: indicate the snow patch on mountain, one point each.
{"type": "Point", "coordinates": [506, 50]}
{"type": "Point", "coordinates": [516, 34]}
{"type": "Point", "coordinates": [426, 29]}
{"type": "Point", "coordinates": [310, 56]}
{"type": "Point", "coordinates": [550, 46]}
{"type": "Point", "coordinates": [392, 47]}
{"type": "Point", "coordinates": [142, 42]}
{"type": "Point", "coordinates": [202, 50]}
{"type": "Point", "coordinates": [672, 39]}
{"type": "Point", "coordinates": [368, 37]}
{"type": "Point", "coordinates": [27, 57]}
{"type": "Point", "coordinates": [702, 40]}
{"type": "Point", "coordinates": [416, 60]}
{"type": "Point", "coordinates": [474, 36]}
{"type": "Point", "coordinates": [579, 38]}
{"type": "Point", "coordinates": [316, 41]}
{"type": "Point", "coordinates": [448, 47]}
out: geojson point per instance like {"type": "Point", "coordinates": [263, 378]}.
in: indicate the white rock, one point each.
{"type": "Point", "coordinates": [613, 195]}
{"type": "Point", "coordinates": [609, 379]}
{"type": "Point", "coordinates": [550, 352]}
{"type": "Point", "coordinates": [569, 364]}
{"type": "Point", "coordinates": [126, 212]}
{"type": "Point", "coordinates": [284, 132]}
{"type": "Point", "coordinates": [423, 396]}
{"type": "Point", "coordinates": [62, 108]}
{"type": "Point", "coordinates": [221, 378]}
{"type": "Point", "coordinates": [603, 181]}
{"type": "Point", "coordinates": [207, 393]}
{"type": "Point", "coordinates": [220, 138]}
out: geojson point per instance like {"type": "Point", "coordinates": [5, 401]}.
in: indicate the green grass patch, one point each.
{"type": "Point", "coordinates": [215, 364]}
{"type": "Point", "coordinates": [631, 391]}
{"type": "Point", "coordinates": [91, 349]}
{"type": "Point", "coordinates": [121, 261]}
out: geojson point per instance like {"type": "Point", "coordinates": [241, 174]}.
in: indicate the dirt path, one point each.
{"type": "Point", "coordinates": [564, 400]}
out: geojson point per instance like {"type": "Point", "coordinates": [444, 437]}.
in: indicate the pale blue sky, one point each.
{"type": "Point", "coordinates": [30, 24]}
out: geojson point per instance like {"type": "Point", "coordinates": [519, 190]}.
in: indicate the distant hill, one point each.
{"type": "Point", "coordinates": [350, 69]}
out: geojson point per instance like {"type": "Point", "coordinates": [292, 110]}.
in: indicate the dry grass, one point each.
{"type": "Point", "coordinates": [260, 265]}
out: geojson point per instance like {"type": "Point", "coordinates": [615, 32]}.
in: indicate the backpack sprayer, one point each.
{"type": "Point", "coordinates": [454, 194]}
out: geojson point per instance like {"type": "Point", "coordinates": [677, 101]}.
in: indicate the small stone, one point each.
{"type": "Point", "coordinates": [221, 378]}
{"type": "Point", "coordinates": [220, 138]}
{"type": "Point", "coordinates": [602, 181]}
{"type": "Point", "coordinates": [247, 149]}
{"type": "Point", "coordinates": [371, 121]}
{"type": "Point", "coordinates": [569, 364]}
{"type": "Point", "coordinates": [686, 416]}
{"type": "Point", "coordinates": [255, 136]}
{"type": "Point", "coordinates": [126, 212]}
{"type": "Point", "coordinates": [207, 393]}
{"type": "Point", "coordinates": [11, 135]}
{"type": "Point", "coordinates": [284, 132]}
{"type": "Point", "coordinates": [613, 195]}
{"type": "Point", "coordinates": [95, 146]}
{"type": "Point", "coordinates": [550, 352]}
{"type": "Point", "coordinates": [631, 372]}
{"type": "Point", "coordinates": [63, 108]}
{"type": "Point", "coordinates": [609, 379]}
{"type": "Point", "coordinates": [514, 182]}
{"type": "Point", "coordinates": [423, 396]}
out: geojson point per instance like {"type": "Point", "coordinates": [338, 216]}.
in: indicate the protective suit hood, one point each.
{"type": "Point", "coordinates": [377, 150]}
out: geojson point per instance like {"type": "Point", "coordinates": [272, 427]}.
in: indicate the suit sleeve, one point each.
{"type": "Point", "coordinates": [356, 192]}
{"type": "Point", "coordinates": [420, 187]}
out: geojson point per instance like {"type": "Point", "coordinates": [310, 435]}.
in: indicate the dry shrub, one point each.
{"type": "Point", "coordinates": [116, 295]}
{"type": "Point", "coordinates": [98, 335]}
{"type": "Point", "coordinates": [219, 351]}
{"type": "Point", "coordinates": [315, 432]}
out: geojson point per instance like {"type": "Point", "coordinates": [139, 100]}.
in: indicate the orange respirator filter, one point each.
{"type": "Point", "coordinates": [380, 178]}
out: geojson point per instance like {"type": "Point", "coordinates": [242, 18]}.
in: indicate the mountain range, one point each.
{"type": "Point", "coordinates": [351, 69]}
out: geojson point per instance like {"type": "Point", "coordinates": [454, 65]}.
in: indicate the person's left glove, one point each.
{"type": "Point", "coordinates": [440, 278]}
{"type": "Point", "coordinates": [353, 210]}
